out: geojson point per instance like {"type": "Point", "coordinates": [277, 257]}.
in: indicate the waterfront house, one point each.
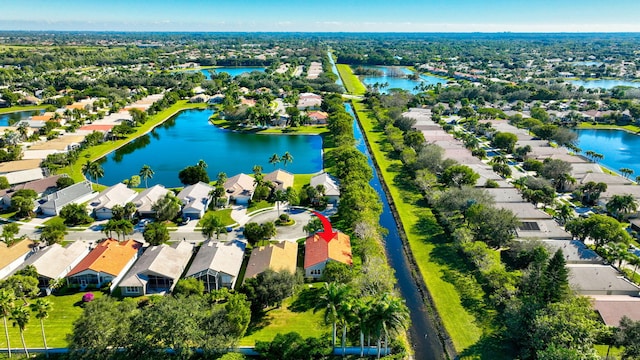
{"type": "Point", "coordinates": [318, 252]}
{"type": "Point", "coordinates": [11, 257]}
{"type": "Point", "coordinates": [55, 261]}
{"type": "Point", "coordinates": [195, 199]}
{"type": "Point", "coordinates": [309, 101]}
{"type": "Point", "coordinates": [157, 270]}
{"type": "Point", "coordinates": [281, 179]}
{"type": "Point", "coordinates": [118, 194]}
{"type": "Point", "coordinates": [240, 188]}
{"type": "Point", "coordinates": [318, 117]}
{"type": "Point", "coordinates": [282, 256]}
{"type": "Point", "coordinates": [74, 194]}
{"type": "Point", "coordinates": [217, 264]}
{"type": "Point", "coordinates": [331, 186]}
{"type": "Point", "coordinates": [145, 200]}
{"type": "Point", "coordinates": [105, 264]}
{"type": "Point", "coordinates": [42, 187]}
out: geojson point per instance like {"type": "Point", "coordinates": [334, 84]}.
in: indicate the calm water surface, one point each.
{"type": "Point", "coordinates": [11, 118]}
{"type": "Point", "coordinates": [620, 148]}
{"type": "Point", "coordinates": [233, 71]}
{"type": "Point", "coordinates": [400, 83]}
{"type": "Point", "coordinates": [605, 84]}
{"type": "Point", "coordinates": [188, 137]}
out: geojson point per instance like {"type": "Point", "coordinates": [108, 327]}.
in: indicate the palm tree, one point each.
{"type": "Point", "coordinates": [332, 296]}
{"type": "Point", "coordinates": [360, 309]}
{"type": "Point", "coordinates": [279, 196]}
{"type": "Point", "coordinates": [621, 205]}
{"type": "Point", "coordinates": [212, 225]}
{"type": "Point", "coordinates": [221, 179]}
{"type": "Point", "coordinates": [216, 194]}
{"type": "Point", "coordinates": [626, 172]}
{"type": "Point", "coordinates": [389, 315]}
{"type": "Point", "coordinates": [201, 164]}
{"type": "Point", "coordinates": [638, 179]}
{"type": "Point", "coordinates": [286, 158]}
{"type": "Point", "coordinates": [499, 159]}
{"type": "Point", "coordinates": [93, 170]}
{"type": "Point", "coordinates": [635, 261]}
{"type": "Point", "coordinates": [146, 173]}
{"type": "Point", "coordinates": [597, 157]}
{"type": "Point", "coordinates": [257, 169]}
{"type": "Point", "coordinates": [42, 308]}
{"type": "Point", "coordinates": [20, 316]}
{"type": "Point", "coordinates": [589, 153]}
{"type": "Point", "coordinates": [274, 159]}
{"type": "Point", "coordinates": [7, 298]}
{"type": "Point", "coordinates": [564, 212]}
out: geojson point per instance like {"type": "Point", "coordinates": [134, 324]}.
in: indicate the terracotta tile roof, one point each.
{"type": "Point", "coordinates": [94, 127]}
{"type": "Point", "coordinates": [278, 257]}
{"type": "Point", "coordinates": [110, 257]}
{"type": "Point", "coordinates": [318, 250]}
{"type": "Point", "coordinates": [12, 253]}
{"type": "Point", "coordinates": [44, 117]}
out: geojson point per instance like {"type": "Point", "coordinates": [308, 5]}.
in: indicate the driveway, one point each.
{"type": "Point", "coordinates": [288, 233]}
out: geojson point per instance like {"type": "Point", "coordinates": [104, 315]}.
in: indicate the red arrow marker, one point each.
{"type": "Point", "coordinates": [327, 233]}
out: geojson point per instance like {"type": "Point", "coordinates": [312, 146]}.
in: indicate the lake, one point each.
{"type": "Point", "coordinates": [400, 83]}
{"type": "Point", "coordinates": [12, 118]}
{"type": "Point", "coordinates": [233, 71]}
{"type": "Point", "coordinates": [188, 137]}
{"type": "Point", "coordinates": [620, 148]}
{"type": "Point", "coordinates": [604, 83]}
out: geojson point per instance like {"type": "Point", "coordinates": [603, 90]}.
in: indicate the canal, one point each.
{"type": "Point", "coordinates": [423, 333]}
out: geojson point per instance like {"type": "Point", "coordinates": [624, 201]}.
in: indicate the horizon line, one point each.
{"type": "Point", "coordinates": [317, 32]}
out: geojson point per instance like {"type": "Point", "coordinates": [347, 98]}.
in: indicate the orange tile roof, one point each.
{"type": "Point", "coordinates": [318, 250]}
{"type": "Point", "coordinates": [277, 257]}
{"type": "Point", "coordinates": [76, 106]}
{"type": "Point", "coordinates": [110, 257]}
{"type": "Point", "coordinates": [45, 117]}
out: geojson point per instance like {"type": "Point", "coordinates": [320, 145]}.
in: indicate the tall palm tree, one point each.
{"type": "Point", "coordinates": [621, 205]}
{"type": "Point", "coordinates": [7, 298]}
{"type": "Point", "coordinates": [279, 196]}
{"type": "Point", "coordinates": [286, 158]}
{"type": "Point", "coordinates": [360, 309]}
{"type": "Point", "coordinates": [221, 179]}
{"type": "Point", "coordinates": [216, 194]}
{"type": "Point", "coordinates": [564, 212]}
{"type": "Point", "coordinates": [332, 296]}
{"type": "Point", "coordinates": [274, 159]}
{"type": "Point", "coordinates": [20, 316]}
{"type": "Point", "coordinates": [257, 169]}
{"type": "Point", "coordinates": [626, 172]}
{"type": "Point", "coordinates": [42, 308]}
{"type": "Point", "coordinates": [146, 172]}
{"type": "Point", "coordinates": [389, 315]}
{"type": "Point", "coordinates": [201, 164]}
{"type": "Point", "coordinates": [93, 170]}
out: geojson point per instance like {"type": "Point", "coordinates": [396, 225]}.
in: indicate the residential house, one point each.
{"type": "Point", "coordinates": [200, 98]}
{"type": "Point", "coordinates": [145, 200]}
{"type": "Point", "coordinates": [282, 256]}
{"type": "Point", "coordinates": [74, 194]}
{"type": "Point", "coordinates": [595, 279]}
{"type": "Point", "coordinates": [42, 187]}
{"type": "Point", "coordinates": [331, 186]}
{"type": "Point", "coordinates": [318, 252]}
{"type": "Point", "coordinates": [309, 101]}
{"type": "Point", "coordinates": [217, 264]}
{"type": "Point", "coordinates": [23, 176]}
{"type": "Point", "coordinates": [106, 263]}
{"type": "Point", "coordinates": [240, 188]}
{"type": "Point", "coordinates": [18, 165]}
{"type": "Point", "coordinates": [318, 117]}
{"type": "Point", "coordinates": [613, 308]}
{"type": "Point", "coordinates": [195, 199]}
{"type": "Point", "coordinates": [157, 270]}
{"type": "Point", "coordinates": [281, 179]}
{"type": "Point", "coordinates": [575, 252]}
{"type": "Point", "coordinates": [118, 194]}
{"type": "Point", "coordinates": [11, 257]}
{"type": "Point", "coordinates": [55, 261]}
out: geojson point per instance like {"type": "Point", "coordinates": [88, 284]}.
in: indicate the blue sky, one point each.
{"type": "Point", "coordinates": [324, 15]}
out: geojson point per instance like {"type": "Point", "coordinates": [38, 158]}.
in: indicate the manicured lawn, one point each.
{"type": "Point", "coordinates": [283, 320]}
{"type": "Point", "coordinates": [255, 206]}
{"type": "Point", "coordinates": [22, 108]}
{"type": "Point", "coordinates": [426, 240]}
{"type": "Point", "coordinates": [300, 130]}
{"type": "Point", "coordinates": [301, 180]}
{"type": "Point", "coordinates": [57, 326]}
{"type": "Point", "coordinates": [588, 125]}
{"type": "Point", "coordinates": [95, 152]}
{"type": "Point", "coordinates": [350, 81]}
{"type": "Point", "coordinates": [224, 215]}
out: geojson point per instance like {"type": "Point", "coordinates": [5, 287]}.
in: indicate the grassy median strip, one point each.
{"type": "Point", "coordinates": [350, 81]}
{"type": "Point", "coordinates": [424, 237]}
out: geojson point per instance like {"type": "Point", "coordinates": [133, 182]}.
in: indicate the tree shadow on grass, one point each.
{"type": "Point", "coordinates": [306, 300]}
{"type": "Point", "coordinates": [258, 323]}
{"type": "Point", "coordinates": [489, 347]}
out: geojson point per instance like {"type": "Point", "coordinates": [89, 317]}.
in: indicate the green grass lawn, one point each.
{"type": "Point", "coordinates": [588, 125]}
{"type": "Point", "coordinates": [289, 317]}
{"type": "Point", "coordinates": [96, 152]}
{"type": "Point", "coordinates": [255, 206]}
{"type": "Point", "coordinates": [350, 81]}
{"type": "Point", "coordinates": [224, 215]}
{"type": "Point", "coordinates": [301, 180]}
{"type": "Point", "coordinates": [22, 108]}
{"type": "Point", "coordinates": [300, 130]}
{"type": "Point", "coordinates": [57, 326]}
{"type": "Point", "coordinates": [433, 255]}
